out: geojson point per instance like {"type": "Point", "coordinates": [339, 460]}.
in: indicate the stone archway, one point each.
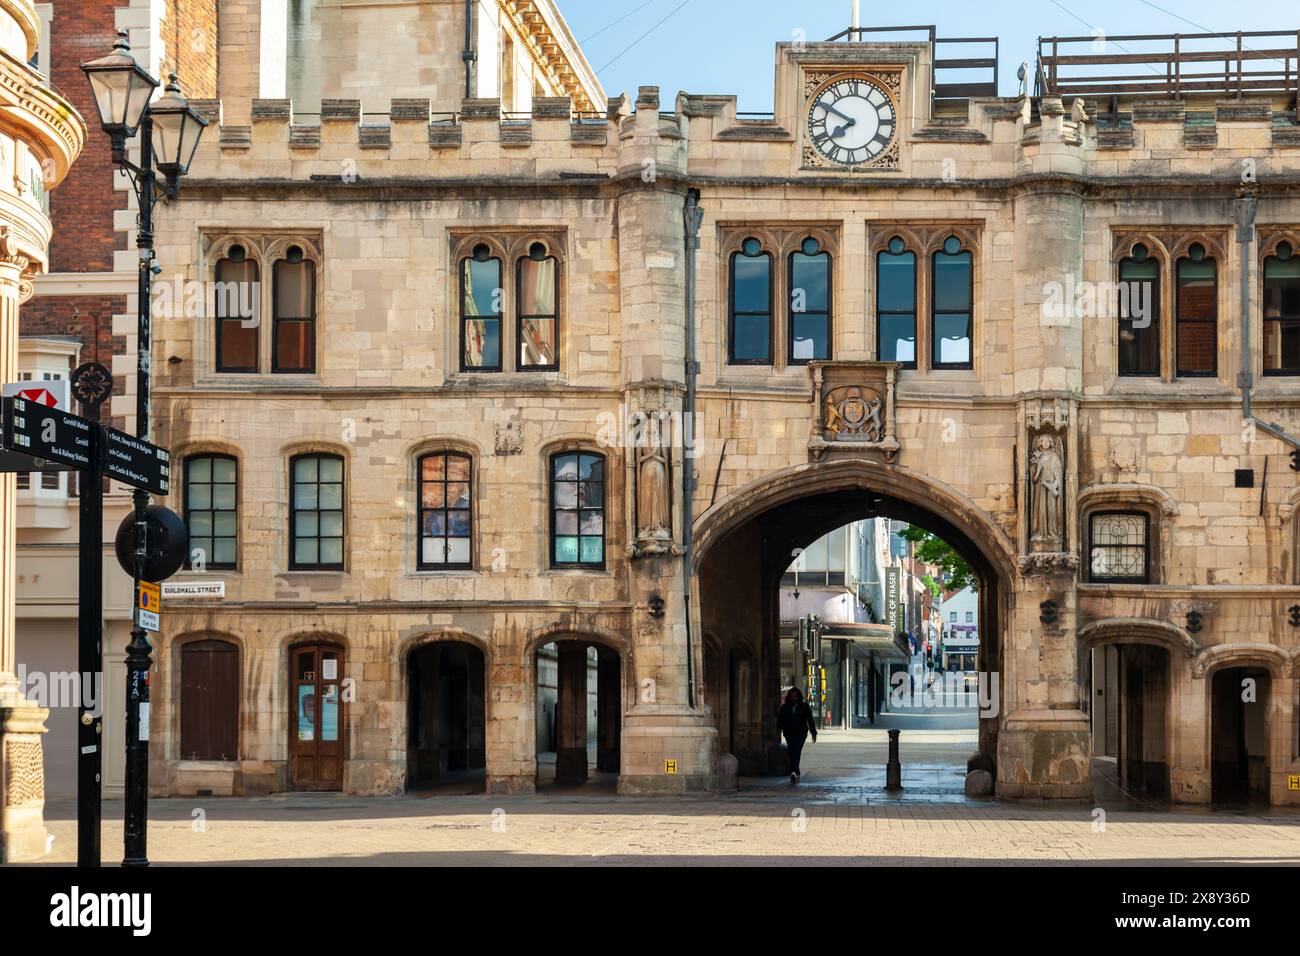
{"type": "Point", "coordinates": [744, 545]}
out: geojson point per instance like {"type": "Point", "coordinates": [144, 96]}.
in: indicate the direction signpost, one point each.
{"type": "Point", "coordinates": [136, 462]}
{"type": "Point", "coordinates": [44, 432]}
{"type": "Point", "coordinates": [32, 430]}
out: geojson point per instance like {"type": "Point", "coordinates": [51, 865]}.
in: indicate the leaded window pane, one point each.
{"type": "Point", "coordinates": [1118, 547]}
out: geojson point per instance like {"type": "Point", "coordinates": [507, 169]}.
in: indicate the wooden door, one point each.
{"type": "Point", "coordinates": [210, 701]}
{"type": "Point", "coordinates": [316, 725]}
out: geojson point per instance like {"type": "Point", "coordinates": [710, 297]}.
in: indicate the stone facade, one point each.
{"type": "Point", "coordinates": [1036, 192]}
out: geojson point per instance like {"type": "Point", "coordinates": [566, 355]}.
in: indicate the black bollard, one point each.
{"type": "Point", "coordinates": [893, 769]}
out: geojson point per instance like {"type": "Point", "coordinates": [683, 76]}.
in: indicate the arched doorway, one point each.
{"type": "Point", "coordinates": [1129, 696]}
{"type": "Point", "coordinates": [578, 713]}
{"type": "Point", "coordinates": [446, 740]}
{"type": "Point", "coordinates": [1239, 735]}
{"type": "Point", "coordinates": [745, 546]}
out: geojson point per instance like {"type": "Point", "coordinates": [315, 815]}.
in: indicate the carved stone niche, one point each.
{"type": "Point", "coordinates": [853, 409]}
{"type": "Point", "coordinates": [1050, 490]}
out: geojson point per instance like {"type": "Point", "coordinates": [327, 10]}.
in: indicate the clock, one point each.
{"type": "Point", "coordinates": [851, 120]}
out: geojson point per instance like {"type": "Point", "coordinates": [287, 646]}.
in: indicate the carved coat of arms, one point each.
{"type": "Point", "coordinates": [853, 408]}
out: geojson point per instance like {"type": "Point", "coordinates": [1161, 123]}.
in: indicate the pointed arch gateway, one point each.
{"type": "Point", "coordinates": [743, 546]}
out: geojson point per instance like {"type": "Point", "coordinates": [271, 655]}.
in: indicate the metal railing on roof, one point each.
{"type": "Point", "coordinates": [1252, 62]}
{"type": "Point", "coordinates": [951, 90]}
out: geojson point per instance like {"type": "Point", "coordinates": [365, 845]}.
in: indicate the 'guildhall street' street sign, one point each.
{"type": "Point", "coordinates": [136, 462]}
{"type": "Point", "coordinates": [44, 432]}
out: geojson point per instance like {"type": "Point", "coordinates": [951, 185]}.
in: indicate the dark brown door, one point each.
{"type": "Point", "coordinates": [210, 701]}
{"type": "Point", "coordinates": [316, 726]}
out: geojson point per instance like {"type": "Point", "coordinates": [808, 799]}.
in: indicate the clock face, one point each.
{"type": "Point", "coordinates": [851, 120]}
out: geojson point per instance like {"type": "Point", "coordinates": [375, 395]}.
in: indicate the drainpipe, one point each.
{"type": "Point", "coordinates": [469, 56]}
{"type": "Point", "coordinates": [1246, 205]}
{"type": "Point", "coordinates": [692, 216]}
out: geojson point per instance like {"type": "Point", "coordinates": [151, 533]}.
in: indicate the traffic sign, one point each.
{"type": "Point", "coordinates": [44, 432]}
{"type": "Point", "coordinates": [148, 603]}
{"type": "Point", "coordinates": [136, 462]}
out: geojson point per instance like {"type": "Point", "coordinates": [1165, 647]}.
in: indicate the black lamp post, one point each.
{"type": "Point", "coordinates": [169, 130]}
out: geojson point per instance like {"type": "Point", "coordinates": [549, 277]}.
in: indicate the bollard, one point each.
{"type": "Point", "coordinates": [893, 769]}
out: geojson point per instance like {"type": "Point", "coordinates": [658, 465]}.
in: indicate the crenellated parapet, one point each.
{"type": "Point", "coordinates": [345, 140]}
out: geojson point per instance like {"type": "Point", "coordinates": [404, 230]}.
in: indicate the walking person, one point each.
{"type": "Point", "coordinates": [795, 721]}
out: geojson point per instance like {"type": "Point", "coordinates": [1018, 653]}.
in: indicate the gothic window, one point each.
{"type": "Point", "coordinates": [577, 510]}
{"type": "Point", "coordinates": [316, 513]}
{"type": "Point", "coordinates": [1139, 313]}
{"type": "Point", "coordinates": [809, 330]}
{"type": "Point", "coordinates": [446, 512]}
{"type": "Point", "coordinates": [211, 511]}
{"type": "Point", "coordinates": [952, 298]}
{"type": "Point", "coordinates": [293, 347]}
{"type": "Point", "coordinates": [1282, 311]}
{"type": "Point", "coordinates": [1196, 333]}
{"type": "Point", "coordinates": [236, 307]}
{"type": "Point", "coordinates": [537, 331]}
{"type": "Point", "coordinates": [262, 303]}
{"type": "Point", "coordinates": [750, 332]}
{"type": "Point", "coordinates": [896, 304]}
{"type": "Point", "coordinates": [1118, 551]}
{"type": "Point", "coordinates": [480, 311]}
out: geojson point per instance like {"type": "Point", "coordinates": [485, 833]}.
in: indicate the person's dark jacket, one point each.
{"type": "Point", "coordinates": [796, 720]}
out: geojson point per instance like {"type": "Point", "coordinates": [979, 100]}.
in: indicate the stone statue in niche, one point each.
{"type": "Point", "coordinates": [653, 519]}
{"type": "Point", "coordinates": [1047, 474]}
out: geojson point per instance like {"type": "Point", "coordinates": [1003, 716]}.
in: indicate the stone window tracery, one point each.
{"type": "Point", "coordinates": [1168, 337]}
{"type": "Point", "coordinates": [805, 323]}
{"type": "Point", "coordinates": [519, 274]}
{"type": "Point", "coordinates": [925, 295]}
{"type": "Point", "coordinates": [259, 326]}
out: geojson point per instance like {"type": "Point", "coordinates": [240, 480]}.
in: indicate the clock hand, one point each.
{"type": "Point", "coordinates": [851, 122]}
{"type": "Point", "coordinates": [831, 109]}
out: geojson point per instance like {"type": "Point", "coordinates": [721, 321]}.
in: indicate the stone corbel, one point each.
{"type": "Point", "coordinates": [1049, 565]}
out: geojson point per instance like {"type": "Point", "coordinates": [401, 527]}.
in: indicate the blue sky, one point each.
{"type": "Point", "coordinates": [727, 46]}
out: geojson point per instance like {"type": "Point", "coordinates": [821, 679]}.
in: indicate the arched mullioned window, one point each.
{"type": "Point", "coordinates": [481, 300]}
{"type": "Point", "coordinates": [211, 510]}
{"type": "Point", "coordinates": [1282, 311]}
{"type": "Point", "coordinates": [316, 512]}
{"type": "Point", "coordinates": [209, 701]}
{"type": "Point", "coordinates": [749, 333]}
{"type": "Point", "coordinates": [538, 325]}
{"type": "Point", "coordinates": [293, 347]}
{"type": "Point", "coordinates": [952, 299]}
{"type": "Point", "coordinates": [577, 504]}
{"type": "Point", "coordinates": [445, 511]}
{"type": "Point", "coordinates": [1139, 313]}
{"type": "Point", "coordinates": [236, 307]}
{"type": "Point", "coordinates": [809, 331]}
{"type": "Point", "coordinates": [896, 304]}
{"type": "Point", "coordinates": [1196, 339]}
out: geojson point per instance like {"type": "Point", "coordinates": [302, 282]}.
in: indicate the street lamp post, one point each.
{"type": "Point", "coordinates": [170, 131]}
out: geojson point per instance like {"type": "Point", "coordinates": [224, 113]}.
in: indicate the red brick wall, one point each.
{"type": "Point", "coordinates": [89, 317]}
{"type": "Point", "coordinates": [82, 205]}
{"type": "Point", "coordinates": [190, 41]}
